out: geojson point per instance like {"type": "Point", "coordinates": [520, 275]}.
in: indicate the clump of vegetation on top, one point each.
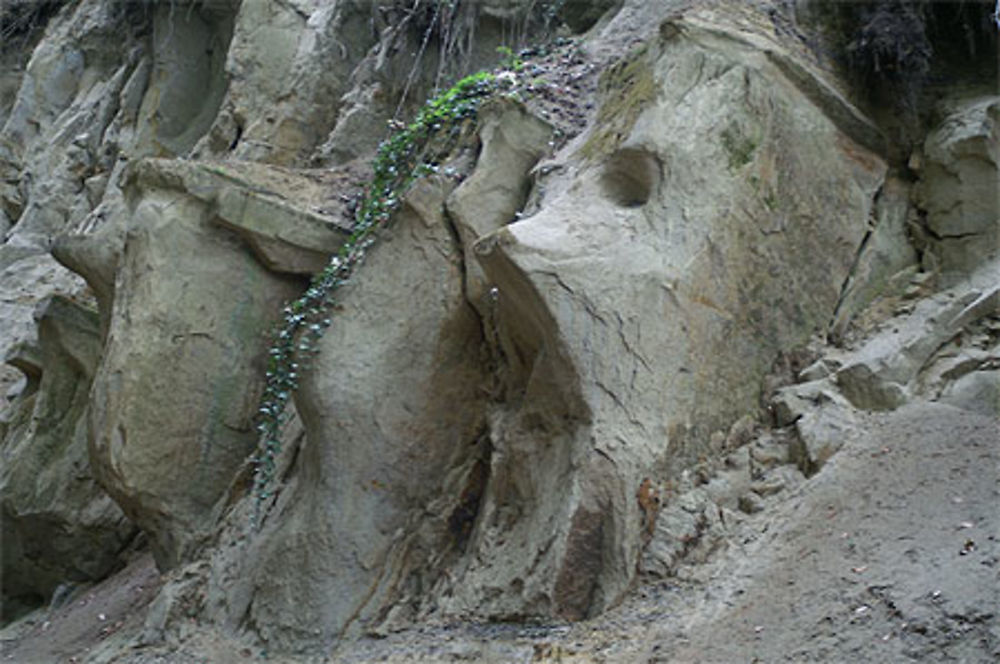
{"type": "Point", "coordinates": [894, 48]}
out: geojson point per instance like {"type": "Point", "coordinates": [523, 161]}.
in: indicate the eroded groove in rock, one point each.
{"type": "Point", "coordinates": [512, 141]}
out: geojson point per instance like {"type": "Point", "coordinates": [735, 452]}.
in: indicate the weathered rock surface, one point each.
{"type": "Point", "coordinates": [58, 526]}
{"type": "Point", "coordinates": [886, 260]}
{"type": "Point", "coordinates": [494, 194]}
{"type": "Point", "coordinates": [940, 348]}
{"type": "Point", "coordinates": [554, 371]}
{"type": "Point", "coordinates": [95, 257]}
{"type": "Point", "coordinates": [958, 187]}
{"type": "Point", "coordinates": [103, 88]}
{"type": "Point", "coordinates": [110, 84]}
{"type": "Point", "coordinates": [95, 92]}
{"type": "Point", "coordinates": [288, 66]}
{"type": "Point", "coordinates": [340, 71]}
{"type": "Point", "coordinates": [189, 324]}
{"type": "Point", "coordinates": [877, 376]}
{"type": "Point", "coordinates": [687, 296]}
{"type": "Point", "coordinates": [271, 209]}
{"type": "Point", "coordinates": [392, 455]}
{"type": "Point", "coordinates": [27, 276]}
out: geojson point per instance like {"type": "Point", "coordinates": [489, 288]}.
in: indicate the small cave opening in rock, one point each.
{"type": "Point", "coordinates": [581, 15]}
{"type": "Point", "coordinates": [629, 177]}
{"type": "Point", "coordinates": [189, 51]}
{"type": "Point", "coordinates": [463, 517]}
{"type": "Point", "coordinates": [16, 606]}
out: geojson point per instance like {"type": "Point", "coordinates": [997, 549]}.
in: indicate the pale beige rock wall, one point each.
{"type": "Point", "coordinates": [680, 248]}
{"type": "Point", "coordinates": [544, 327]}
{"type": "Point", "coordinates": [188, 328]}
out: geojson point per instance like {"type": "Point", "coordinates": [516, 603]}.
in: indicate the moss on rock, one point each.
{"type": "Point", "coordinates": [625, 90]}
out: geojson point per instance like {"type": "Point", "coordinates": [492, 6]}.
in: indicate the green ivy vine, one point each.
{"type": "Point", "coordinates": [409, 153]}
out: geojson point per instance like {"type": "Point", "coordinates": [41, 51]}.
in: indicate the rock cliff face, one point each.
{"type": "Point", "coordinates": [58, 526]}
{"type": "Point", "coordinates": [673, 225]}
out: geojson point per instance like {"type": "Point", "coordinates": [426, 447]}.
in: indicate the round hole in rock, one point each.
{"type": "Point", "coordinates": [629, 177]}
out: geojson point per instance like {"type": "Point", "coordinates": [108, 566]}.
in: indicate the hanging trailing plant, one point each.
{"type": "Point", "coordinates": [412, 151]}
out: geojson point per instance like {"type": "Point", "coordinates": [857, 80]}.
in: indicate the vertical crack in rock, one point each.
{"type": "Point", "coordinates": [852, 275]}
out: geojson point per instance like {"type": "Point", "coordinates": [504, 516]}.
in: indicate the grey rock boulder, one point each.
{"type": "Point", "coordinates": [272, 209]}
{"type": "Point", "coordinates": [880, 374]}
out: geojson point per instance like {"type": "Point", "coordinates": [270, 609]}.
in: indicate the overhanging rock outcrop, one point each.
{"type": "Point", "coordinates": [199, 284]}
{"type": "Point", "coordinates": [394, 416]}
{"type": "Point", "coordinates": [292, 222]}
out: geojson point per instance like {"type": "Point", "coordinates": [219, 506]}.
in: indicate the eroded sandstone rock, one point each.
{"type": "Point", "coordinates": [27, 276]}
{"type": "Point", "coordinates": [500, 380]}
{"type": "Point", "coordinates": [271, 209]}
{"type": "Point", "coordinates": [174, 397]}
{"type": "Point", "coordinates": [629, 317]}
{"type": "Point", "coordinates": [513, 141]}
{"type": "Point", "coordinates": [95, 91]}
{"type": "Point", "coordinates": [58, 525]}
{"type": "Point", "coordinates": [679, 250]}
{"type": "Point", "coordinates": [941, 348]}
{"type": "Point", "coordinates": [394, 417]}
